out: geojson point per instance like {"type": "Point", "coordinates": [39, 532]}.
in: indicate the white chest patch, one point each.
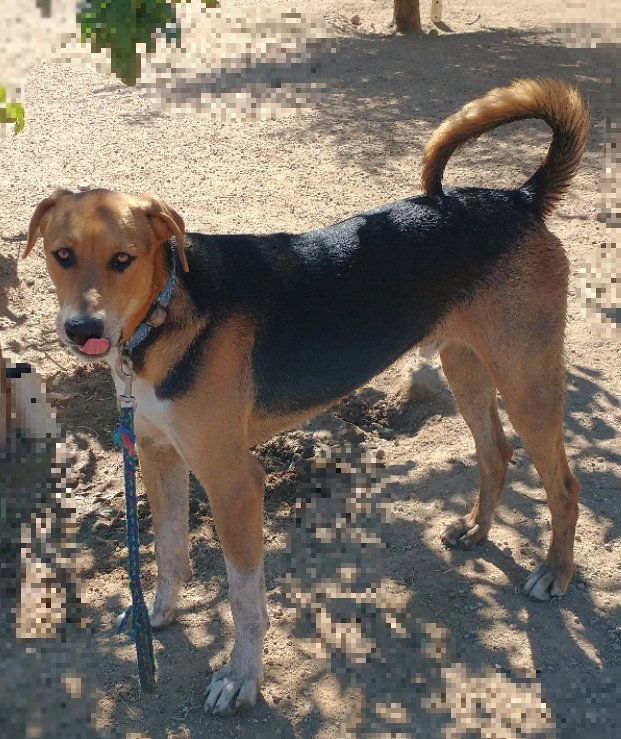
{"type": "Point", "coordinates": [152, 418]}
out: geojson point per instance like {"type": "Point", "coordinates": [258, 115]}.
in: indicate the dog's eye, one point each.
{"type": "Point", "coordinates": [120, 261]}
{"type": "Point", "coordinates": [65, 256]}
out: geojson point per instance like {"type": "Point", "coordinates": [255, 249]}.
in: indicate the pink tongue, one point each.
{"type": "Point", "coordinates": [95, 346]}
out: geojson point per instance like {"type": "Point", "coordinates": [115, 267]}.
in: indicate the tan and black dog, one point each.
{"type": "Point", "coordinates": [263, 332]}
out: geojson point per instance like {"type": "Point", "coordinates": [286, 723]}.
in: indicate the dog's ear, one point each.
{"type": "Point", "coordinates": [40, 217]}
{"type": "Point", "coordinates": [166, 222]}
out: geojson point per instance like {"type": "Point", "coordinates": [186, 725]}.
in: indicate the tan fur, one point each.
{"type": "Point", "coordinates": [558, 104]}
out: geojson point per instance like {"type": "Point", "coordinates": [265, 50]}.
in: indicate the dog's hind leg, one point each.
{"type": "Point", "coordinates": [475, 393]}
{"type": "Point", "coordinates": [166, 482]}
{"type": "Point", "coordinates": [532, 387]}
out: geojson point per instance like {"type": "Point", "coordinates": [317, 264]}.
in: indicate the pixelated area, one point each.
{"type": "Point", "coordinates": [355, 618]}
{"type": "Point", "coordinates": [599, 286]}
{"type": "Point", "coordinates": [259, 63]}
{"type": "Point", "coordinates": [229, 63]}
{"type": "Point", "coordinates": [597, 25]}
{"type": "Point", "coordinates": [40, 606]}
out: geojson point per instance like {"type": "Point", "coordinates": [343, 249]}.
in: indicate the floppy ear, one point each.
{"type": "Point", "coordinates": [165, 223]}
{"type": "Point", "coordinates": [39, 218]}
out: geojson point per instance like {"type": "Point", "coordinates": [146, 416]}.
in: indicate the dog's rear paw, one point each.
{"type": "Point", "coordinates": [463, 534]}
{"type": "Point", "coordinates": [230, 690]}
{"type": "Point", "coordinates": [543, 583]}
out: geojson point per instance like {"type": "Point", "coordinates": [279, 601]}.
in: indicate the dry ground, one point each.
{"type": "Point", "coordinates": [438, 643]}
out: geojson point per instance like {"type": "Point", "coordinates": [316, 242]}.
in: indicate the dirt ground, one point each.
{"type": "Point", "coordinates": [376, 629]}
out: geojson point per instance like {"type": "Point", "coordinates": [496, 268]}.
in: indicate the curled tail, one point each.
{"type": "Point", "coordinates": [558, 104]}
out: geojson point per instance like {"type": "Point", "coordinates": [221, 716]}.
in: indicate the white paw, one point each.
{"type": "Point", "coordinates": [230, 690]}
{"type": "Point", "coordinates": [160, 617]}
{"type": "Point", "coordinates": [462, 535]}
{"type": "Point", "coordinates": [543, 584]}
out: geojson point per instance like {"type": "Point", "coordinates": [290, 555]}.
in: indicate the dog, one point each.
{"type": "Point", "coordinates": [261, 332]}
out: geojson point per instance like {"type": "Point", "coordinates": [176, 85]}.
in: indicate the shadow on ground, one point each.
{"type": "Point", "coordinates": [376, 89]}
{"type": "Point", "coordinates": [405, 629]}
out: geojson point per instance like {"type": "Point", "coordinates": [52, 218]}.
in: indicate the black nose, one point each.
{"type": "Point", "coordinates": [81, 328]}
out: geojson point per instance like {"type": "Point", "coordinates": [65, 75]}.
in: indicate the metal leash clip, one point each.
{"type": "Point", "coordinates": [126, 373]}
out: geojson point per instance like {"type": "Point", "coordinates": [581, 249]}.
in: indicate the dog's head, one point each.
{"type": "Point", "coordinates": [104, 254]}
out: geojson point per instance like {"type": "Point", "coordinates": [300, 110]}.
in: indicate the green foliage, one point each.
{"type": "Point", "coordinates": [119, 25]}
{"type": "Point", "coordinates": [11, 112]}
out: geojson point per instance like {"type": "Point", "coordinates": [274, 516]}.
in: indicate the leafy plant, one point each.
{"type": "Point", "coordinates": [11, 112]}
{"type": "Point", "coordinates": [119, 25]}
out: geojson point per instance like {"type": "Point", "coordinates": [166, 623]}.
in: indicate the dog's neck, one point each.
{"type": "Point", "coordinates": [164, 342]}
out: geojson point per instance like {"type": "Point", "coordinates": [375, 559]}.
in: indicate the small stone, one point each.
{"type": "Point", "coordinates": [433, 31]}
{"type": "Point", "coordinates": [83, 186]}
{"type": "Point", "coordinates": [30, 281]}
{"type": "Point", "coordinates": [306, 693]}
{"type": "Point", "coordinates": [356, 21]}
{"type": "Point", "coordinates": [51, 289]}
{"type": "Point", "coordinates": [506, 552]}
{"type": "Point", "coordinates": [276, 698]}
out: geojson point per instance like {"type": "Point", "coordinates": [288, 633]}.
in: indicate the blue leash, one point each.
{"type": "Point", "coordinates": [135, 621]}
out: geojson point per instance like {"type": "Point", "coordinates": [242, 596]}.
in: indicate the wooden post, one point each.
{"type": "Point", "coordinates": [407, 16]}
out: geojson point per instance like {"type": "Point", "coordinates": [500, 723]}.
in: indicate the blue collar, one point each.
{"type": "Point", "coordinates": [157, 312]}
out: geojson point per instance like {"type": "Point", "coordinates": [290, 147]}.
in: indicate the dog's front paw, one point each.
{"type": "Point", "coordinates": [463, 534]}
{"type": "Point", "coordinates": [231, 689]}
{"type": "Point", "coordinates": [161, 617]}
{"type": "Point", "coordinates": [544, 583]}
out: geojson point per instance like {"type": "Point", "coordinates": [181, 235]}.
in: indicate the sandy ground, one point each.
{"type": "Point", "coordinates": [384, 633]}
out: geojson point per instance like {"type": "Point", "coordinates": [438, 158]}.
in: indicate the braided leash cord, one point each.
{"type": "Point", "coordinates": [135, 621]}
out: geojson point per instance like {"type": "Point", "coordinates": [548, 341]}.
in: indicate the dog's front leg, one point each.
{"type": "Point", "coordinates": [237, 505]}
{"type": "Point", "coordinates": [165, 478]}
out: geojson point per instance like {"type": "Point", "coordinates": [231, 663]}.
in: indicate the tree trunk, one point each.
{"type": "Point", "coordinates": [407, 16]}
